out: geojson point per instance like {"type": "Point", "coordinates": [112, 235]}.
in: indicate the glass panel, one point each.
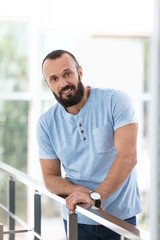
{"type": "Point", "coordinates": [3, 190]}
{"type": "Point", "coordinates": [144, 167]}
{"type": "Point", "coordinates": [52, 220]}
{"type": "Point", "coordinates": [44, 86]}
{"type": "Point", "coordinates": [14, 38]}
{"type": "Point", "coordinates": [146, 118]}
{"type": "Point", "coordinates": [21, 201]}
{"type": "Point", "coordinates": [117, 62]}
{"type": "Point", "coordinates": [146, 46]}
{"type": "Point", "coordinates": [3, 200]}
{"type": "Point", "coordinates": [14, 132]}
{"type": "Point", "coordinates": [46, 105]}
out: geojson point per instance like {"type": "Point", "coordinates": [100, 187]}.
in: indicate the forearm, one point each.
{"type": "Point", "coordinates": [118, 173]}
{"type": "Point", "coordinates": [62, 186]}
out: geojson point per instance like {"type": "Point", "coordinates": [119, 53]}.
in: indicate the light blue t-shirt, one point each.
{"type": "Point", "coordinates": [84, 143]}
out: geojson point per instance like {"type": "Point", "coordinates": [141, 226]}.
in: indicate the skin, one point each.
{"type": "Point", "coordinates": [62, 72]}
{"type": "Point", "coordinates": [58, 74]}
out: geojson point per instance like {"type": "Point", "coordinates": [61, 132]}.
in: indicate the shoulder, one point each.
{"type": "Point", "coordinates": [121, 99]}
{"type": "Point", "coordinates": [108, 95]}
{"type": "Point", "coordinates": [103, 92]}
{"type": "Point", "coordinates": [48, 116]}
{"type": "Point", "coordinates": [115, 100]}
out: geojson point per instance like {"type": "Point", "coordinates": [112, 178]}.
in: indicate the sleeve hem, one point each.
{"type": "Point", "coordinates": [48, 157]}
{"type": "Point", "coordinates": [124, 124]}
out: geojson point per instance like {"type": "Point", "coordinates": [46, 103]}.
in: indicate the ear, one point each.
{"type": "Point", "coordinates": [80, 72]}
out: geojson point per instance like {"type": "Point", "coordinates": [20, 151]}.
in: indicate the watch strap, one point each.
{"type": "Point", "coordinates": [96, 201]}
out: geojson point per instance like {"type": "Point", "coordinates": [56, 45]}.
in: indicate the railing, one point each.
{"type": "Point", "coordinates": [126, 230]}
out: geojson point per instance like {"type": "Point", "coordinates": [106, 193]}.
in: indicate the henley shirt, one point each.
{"type": "Point", "coordinates": [84, 143]}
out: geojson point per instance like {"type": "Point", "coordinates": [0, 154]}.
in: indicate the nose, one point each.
{"type": "Point", "coordinates": [63, 83]}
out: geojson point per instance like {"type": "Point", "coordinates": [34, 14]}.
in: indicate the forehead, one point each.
{"type": "Point", "coordinates": [58, 65]}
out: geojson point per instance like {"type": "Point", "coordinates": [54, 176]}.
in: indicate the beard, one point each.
{"type": "Point", "coordinates": [71, 99]}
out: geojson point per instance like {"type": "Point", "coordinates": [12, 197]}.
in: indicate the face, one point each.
{"type": "Point", "coordinates": [64, 80]}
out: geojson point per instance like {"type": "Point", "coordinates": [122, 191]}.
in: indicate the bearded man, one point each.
{"type": "Point", "coordinates": [92, 133]}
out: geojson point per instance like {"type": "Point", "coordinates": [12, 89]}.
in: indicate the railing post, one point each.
{"type": "Point", "coordinates": [37, 213]}
{"type": "Point", "coordinates": [11, 206]}
{"type": "Point", "coordinates": [72, 226]}
{"type": "Point", "coordinates": [1, 231]}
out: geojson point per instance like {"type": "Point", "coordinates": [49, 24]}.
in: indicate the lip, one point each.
{"type": "Point", "coordinates": [67, 91]}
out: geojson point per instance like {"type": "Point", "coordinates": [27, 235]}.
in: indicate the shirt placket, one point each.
{"type": "Point", "coordinates": [82, 130]}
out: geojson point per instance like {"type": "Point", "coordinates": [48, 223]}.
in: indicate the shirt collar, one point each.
{"type": "Point", "coordinates": [83, 109]}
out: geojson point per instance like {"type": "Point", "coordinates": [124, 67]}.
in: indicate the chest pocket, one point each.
{"type": "Point", "coordinates": [104, 138]}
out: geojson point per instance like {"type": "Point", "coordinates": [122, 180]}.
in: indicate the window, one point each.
{"type": "Point", "coordinates": [113, 51]}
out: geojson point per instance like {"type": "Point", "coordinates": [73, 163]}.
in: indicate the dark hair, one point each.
{"type": "Point", "coordinates": [58, 53]}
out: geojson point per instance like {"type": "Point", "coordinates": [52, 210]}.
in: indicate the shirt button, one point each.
{"type": "Point", "coordinates": [84, 138]}
{"type": "Point", "coordinates": [82, 131]}
{"type": "Point", "coordinates": [80, 124]}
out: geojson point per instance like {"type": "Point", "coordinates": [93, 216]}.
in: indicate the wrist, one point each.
{"type": "Point", "coordinates": [83, 189]}
{"type": "Point", "coordinates": [96, 197]}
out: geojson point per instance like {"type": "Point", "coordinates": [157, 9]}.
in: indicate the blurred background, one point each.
{"type": "Point", "coordinates": [110, 39]}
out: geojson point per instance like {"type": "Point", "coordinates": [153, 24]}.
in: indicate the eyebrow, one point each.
{"type": "Point", "coordinates": [51, 77]}
{"type": "Point", "coordinates": [65, 70]}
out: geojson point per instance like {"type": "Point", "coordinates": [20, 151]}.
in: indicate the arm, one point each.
{"type": "Point", "coordinates": [51, 171]}
{"type": "Point", "coordinates": [125, 139]}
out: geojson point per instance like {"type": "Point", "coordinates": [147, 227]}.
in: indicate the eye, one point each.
{"type": "Point", "coordinates": [67, 74]}
{"type": "Point", "coordinates": [53, 79]}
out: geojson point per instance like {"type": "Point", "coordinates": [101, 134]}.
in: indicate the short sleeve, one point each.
{"type": "Point", "coordinates": [46, 150]}
{"type": "Point", "coordinates": [123, 111]}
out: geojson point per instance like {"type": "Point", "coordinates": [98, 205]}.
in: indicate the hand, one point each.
{"type": "Point", "coordinates": [78, 197]}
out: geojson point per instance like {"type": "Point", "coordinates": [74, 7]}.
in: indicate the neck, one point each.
{"type": "Point", "coordinates": [76, 108]}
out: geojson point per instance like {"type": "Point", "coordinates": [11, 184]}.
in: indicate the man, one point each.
{"type": "Point", "coordinates": [92, 133]}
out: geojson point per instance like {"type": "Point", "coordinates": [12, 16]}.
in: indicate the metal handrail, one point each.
{"type": "Point", "coordinates": [119, 226]}
{"type": "Point", "coordinates": [21, 222]}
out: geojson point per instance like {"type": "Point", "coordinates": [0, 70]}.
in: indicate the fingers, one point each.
{"type": "Point", "coordinates": [71, 203]}
{"type": "Point", "coordinates": [101, 207]}
{"type": "Point", "coordinates": [77, 197]}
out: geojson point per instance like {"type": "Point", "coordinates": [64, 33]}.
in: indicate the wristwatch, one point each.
{"type": "Point", "coordinates": [96, 197]}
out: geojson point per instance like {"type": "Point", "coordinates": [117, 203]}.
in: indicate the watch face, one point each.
{"type": "Point", "coordinates": [95, 196]}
